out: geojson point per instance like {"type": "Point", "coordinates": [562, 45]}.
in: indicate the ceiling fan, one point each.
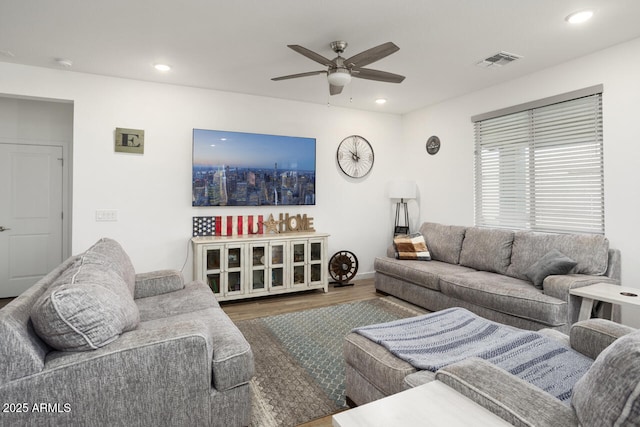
{"type": "Point", "coordinates": [340, 70]}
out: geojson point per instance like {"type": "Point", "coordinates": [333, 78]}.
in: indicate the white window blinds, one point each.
{"type": "Point", "coordinates": [542, 168]}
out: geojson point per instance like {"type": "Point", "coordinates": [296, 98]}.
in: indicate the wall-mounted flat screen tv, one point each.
{"type": "Point", "coordinates": [249, 169]}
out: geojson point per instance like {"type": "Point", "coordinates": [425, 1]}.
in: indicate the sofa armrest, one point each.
{"type": "Point", "coordinates": [391, 251]}
{"type": "Point", "coordinates": [157, 283]}
{"type": "Point", "coordinates": [591, 336]}
{"type": "Point", "coordinates": [556, 335]}
{"type": "Point", "coordinates": [558, 286]}
{"type": "Point", "coordinates": [506, 395]}
{"type": "Point", "coordinates": [145, 377]}
{"type": "Point", "coordinates": [614, 265]}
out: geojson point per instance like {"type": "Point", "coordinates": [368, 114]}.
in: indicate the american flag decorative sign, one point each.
{"type": "Point", "coordinates": [204, 226]}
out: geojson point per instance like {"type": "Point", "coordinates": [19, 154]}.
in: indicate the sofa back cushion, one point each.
{"type": "Point", "coordinates": [609, 393]}
{"type": "Point", "coordinates": [108, 253]}
{"type": "Point", "coordinates": [444, 241]}
{"type": "Point", "coordinates": [589, 251]}
{"type": "Point", "coordinates": [87, 307]}
{"type": "Point", "coordinates": [487, 249]}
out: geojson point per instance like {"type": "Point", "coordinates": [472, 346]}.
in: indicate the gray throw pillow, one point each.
{"type": "Point", "coordinates": [609, 393]}
{"type": "Point", "coordinates": [553, 262]}
{"type": "Point", "coordinates": [88, 307]}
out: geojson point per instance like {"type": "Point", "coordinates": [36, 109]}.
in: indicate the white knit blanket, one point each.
{"type": "Point", "coordinates": [438, 339]}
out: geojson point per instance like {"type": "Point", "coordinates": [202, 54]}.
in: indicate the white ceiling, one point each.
{"type": "Point", "coordinates": [239, 45]}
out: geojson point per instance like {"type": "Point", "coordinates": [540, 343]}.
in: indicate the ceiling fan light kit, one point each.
{"type": "Point", "coordinates": [339, 77]}
{"type": "Point", "coordinates": [340, 70]}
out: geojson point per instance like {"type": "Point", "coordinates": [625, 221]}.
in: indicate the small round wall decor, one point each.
{"type": "Point", "coordinates": [433, 145]}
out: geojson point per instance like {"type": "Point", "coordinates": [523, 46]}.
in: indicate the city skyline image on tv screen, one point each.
{"type": "Point", "coordinates": [249, 169]}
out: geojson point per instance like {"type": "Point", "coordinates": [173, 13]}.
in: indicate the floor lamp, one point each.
{"type": "Point", "coordinates": [402, 190]}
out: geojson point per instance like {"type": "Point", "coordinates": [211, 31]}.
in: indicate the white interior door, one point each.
{"type": "Point", "coordinates": [30, 215]}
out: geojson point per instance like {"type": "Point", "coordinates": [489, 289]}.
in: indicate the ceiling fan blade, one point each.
{"type": "Point", "coordinates": [335, 90]}
{"type": "Point", "coordinates": [381, 76]}
{"type": "Point", "coordinates": [295, 76]}
{"type": "Point", "coordinates": [371, 55]}
{"type": "Point", "coordinates": [311, 55]}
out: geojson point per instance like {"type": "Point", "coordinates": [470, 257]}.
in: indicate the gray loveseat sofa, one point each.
{"type": "Point", "coordinates": [93, 343]}
{"type": "Point", "coordinates": [488, 271]}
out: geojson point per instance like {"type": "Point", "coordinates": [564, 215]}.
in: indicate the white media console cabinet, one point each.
{"type": "Point", "coordinates": [247, 266]}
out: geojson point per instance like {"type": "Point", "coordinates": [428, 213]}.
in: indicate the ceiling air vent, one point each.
{"type": "Point", "coordinates": [498, 60]}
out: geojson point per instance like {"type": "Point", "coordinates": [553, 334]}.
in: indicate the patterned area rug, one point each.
{"type": "Point", "coordinates": [300, 374]}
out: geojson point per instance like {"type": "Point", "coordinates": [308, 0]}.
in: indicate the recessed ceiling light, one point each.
{"type": "Point", "coordinates": [381, 101]}
{"type": "Point", "coordinates": [579, 17]}
{"type": "Point", "coordinates": [66, 63]}
{"type": "Point", "coordinates": [162, 67]}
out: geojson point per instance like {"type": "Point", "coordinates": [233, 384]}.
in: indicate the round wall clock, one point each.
{"type": "Point", "coordinates": [433, 145]}
{"type": "Point", "coordinates": [355, 156]}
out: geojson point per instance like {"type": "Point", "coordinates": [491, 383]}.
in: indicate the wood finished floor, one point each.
{"type": "Point", "coordinates": [362, 290]}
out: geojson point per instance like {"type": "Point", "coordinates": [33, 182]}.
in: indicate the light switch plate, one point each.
{"type": "Point", "coordinates": [106, 215]}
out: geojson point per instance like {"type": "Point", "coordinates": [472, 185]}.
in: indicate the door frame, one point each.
{"type": "Point", "coordinates": [67, 170]}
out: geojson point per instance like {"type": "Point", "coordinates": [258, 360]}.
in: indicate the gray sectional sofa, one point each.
{"type": "Point", "coordinates": [95, 344]}
{"type": "Point", "coordinates": [606, 395]}
{"type": "Point", "coordinates": [490, 271]}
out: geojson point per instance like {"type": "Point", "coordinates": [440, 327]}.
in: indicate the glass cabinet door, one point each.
{"type": "Point", "coordinates": [234, 267]}
{"type": "Point", "coordinates": [213, 267]}
{"type": "Point", "coordinates": [316, 261]}
{"type": "Point", "coordinates": [276, 267]}
{"type": "Point", "coordinates": [258, 267]}
{"type": "Point", "coordinates": [299, 263]}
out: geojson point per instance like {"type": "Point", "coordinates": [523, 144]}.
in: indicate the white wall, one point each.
{"type": "Point", "coordinates": [152, 192]}
{"type": "Point", "coordinates": [446, 180]}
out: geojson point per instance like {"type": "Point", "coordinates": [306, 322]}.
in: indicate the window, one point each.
{"type": "Point", "coordinates": [539, 166]}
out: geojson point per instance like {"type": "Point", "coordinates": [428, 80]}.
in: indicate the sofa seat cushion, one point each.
{"type": "Point", "coordinates": [86, 308]}
{"type": "Point", "coordinates": [506, 295]}
{"type": "Point", "coordinates": [589, 251]}
{"type": "Point", "coordinates": [444, 241]}
{"type": "Point", "coordinates": [231, 357]}
{"type": "Point", "coordinates": [426, 274]}
{"type": "Point", "coordinates": [193, 297]}
{"type": "Point", "coordinates": [487, 249]}
{"type": "Point", "coordinates": [376, 364]}
{"type": "Point", "coordinates": [609, 393]}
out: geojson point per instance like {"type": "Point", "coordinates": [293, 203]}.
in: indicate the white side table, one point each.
{"type": "Point", "coordinates": [431, 404]}
{"type": "Point", "coordinates": [606, 292]}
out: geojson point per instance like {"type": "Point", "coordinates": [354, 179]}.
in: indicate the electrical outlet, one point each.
{"type": "Point", "coordinates": [106, 215]}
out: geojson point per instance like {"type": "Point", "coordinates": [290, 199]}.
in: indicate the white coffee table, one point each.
{"type": "Point", "coordinates": [431, 404]}
{"type": "Point", "coordinates": [606, 292]}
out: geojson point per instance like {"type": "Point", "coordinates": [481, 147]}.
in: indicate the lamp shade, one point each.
{"type": "Point", "coordinates": [402, 190]}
